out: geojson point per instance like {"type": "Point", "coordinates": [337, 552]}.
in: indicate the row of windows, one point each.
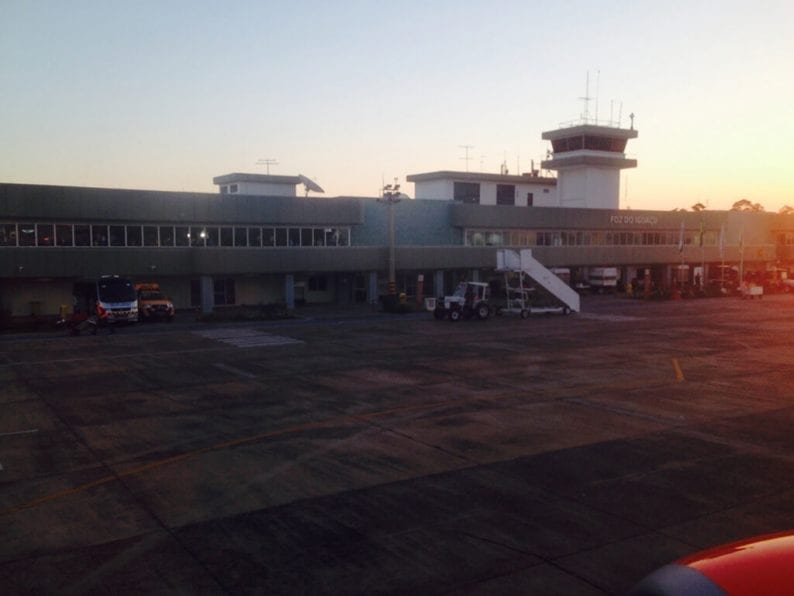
{"type": "Point", "coordinates": [786, 238]}
{"type": "Point", "coordinates": [469, 192]}
{"type": "Point", "coordinates": [591, 142]}
{"type": "Point", "coordinates": [36, 234]}
{"type": "Point", "coordinates": [586, 238]}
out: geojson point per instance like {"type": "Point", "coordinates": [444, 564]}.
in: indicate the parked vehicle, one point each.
{"type": "Point", "coordinates": [469, 300]}
{"type": "Point", "coordinates": [109, 300]}
{"type": "Point", "coordinates": [116, 295]}
{"type": "Point", "coordinates": [153, 304]}
{"type": "Point", "coordinates": [750, 291]}
{"type": "Point", "coordinates": [111, 297]}
{"type": "Point", "coordinates": [603, 279]}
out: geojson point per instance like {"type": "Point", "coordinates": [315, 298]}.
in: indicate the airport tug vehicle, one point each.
{"type": "Point", "coordinates": [470, 300]}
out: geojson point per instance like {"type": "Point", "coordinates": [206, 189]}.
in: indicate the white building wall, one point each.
{"type": "Point", "coordinates": [603, 188]}
{"type": "Point", "coordinates": [571, 184]}
{"type": "Point", "coordinates": [589, 187]}
{"type": "Point", "coordinates": [434, 189]}
{"type": "Point", "coordinates": [487, 193]}
{"type": "Point", "coordinates": [260, 188]}
{"type": "Point", "coordinates": [543, 195]}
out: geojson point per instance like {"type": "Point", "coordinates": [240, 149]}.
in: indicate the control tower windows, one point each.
{"type": "Point", "coordinates": [589, 142]}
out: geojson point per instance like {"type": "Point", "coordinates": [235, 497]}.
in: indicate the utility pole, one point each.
{"type": "Point", "coordinates": [391, 196]}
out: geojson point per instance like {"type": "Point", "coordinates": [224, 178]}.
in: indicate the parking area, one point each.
{"type": "Point", "coordinates": [395, 454]}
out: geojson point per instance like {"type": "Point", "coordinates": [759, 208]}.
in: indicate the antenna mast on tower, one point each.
{"type": "Point", "coordinates": [467, 158]}
{"type": "Point", "coordinates": [586, 99]}
{"type": "Point", "coordinates": [267, 162]}
{"type": "Point", "coordinates": [598, 81]}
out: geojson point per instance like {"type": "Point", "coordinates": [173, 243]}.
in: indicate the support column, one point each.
{"type": "Point", "coordinates": [372, 288]}
{"type": "Point", "coordinates": [475, 275]}
{"type": "Point", "coordinates": [207, 294]}
{"type": "Point", "coordinates": [289, 291]}
{"type": "Point", "coordinates": [438, 283]}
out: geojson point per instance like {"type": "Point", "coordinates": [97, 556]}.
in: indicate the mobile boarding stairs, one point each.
{"type": "Point", "coordinates": [525, 265]}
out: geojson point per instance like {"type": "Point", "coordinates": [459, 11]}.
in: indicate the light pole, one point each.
{"type": "Point", "coordinates": [391, 196]}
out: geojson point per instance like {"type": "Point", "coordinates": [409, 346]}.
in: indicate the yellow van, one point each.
{"type": "Point", "coordinates": [152, 304]}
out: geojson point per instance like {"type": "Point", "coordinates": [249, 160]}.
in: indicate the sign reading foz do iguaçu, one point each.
{"type": "Point", "coordinates": [644, 220]}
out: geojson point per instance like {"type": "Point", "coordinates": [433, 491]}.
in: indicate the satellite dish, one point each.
{"type": "Point", "coordinates": [310, 184]}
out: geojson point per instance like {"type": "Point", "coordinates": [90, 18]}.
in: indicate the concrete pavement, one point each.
{"type": "Point", "coordinates": [557, 455]}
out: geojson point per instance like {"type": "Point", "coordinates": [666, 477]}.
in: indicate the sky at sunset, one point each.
{"type": "Point", "coordinates": [166, 94]}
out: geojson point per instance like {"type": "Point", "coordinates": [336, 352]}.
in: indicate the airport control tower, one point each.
{"type": "Point", "coordinates": [588, 158]}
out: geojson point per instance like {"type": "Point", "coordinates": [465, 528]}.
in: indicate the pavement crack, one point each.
{"type": "Point", "coordinates": [386, 428]}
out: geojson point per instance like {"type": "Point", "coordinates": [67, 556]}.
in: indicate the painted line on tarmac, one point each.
{"type": "Point", "coordinates": [610, 318]}
{"type": "Point", "coordinates": [20, 432]}
{"type": "Point", "coordinates": [679, 375]}
{"type": "Point", "coordinates": [234, 371]}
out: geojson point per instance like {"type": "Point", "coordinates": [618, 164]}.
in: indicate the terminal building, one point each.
{"type": "Point", "coordinates": [258, 241]}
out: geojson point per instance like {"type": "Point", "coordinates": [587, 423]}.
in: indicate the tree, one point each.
{"type": "Point", "coordinates": [698, 207]}
{"type": "Point", "coordinates": [786, 210]}
{"type": "Point", "coordinates": [747, 205]}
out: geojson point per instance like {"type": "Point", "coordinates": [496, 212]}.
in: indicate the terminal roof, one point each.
{"type": "Point", "coordinates": [481, 177]}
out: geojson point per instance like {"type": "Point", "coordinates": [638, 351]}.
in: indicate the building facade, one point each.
{"type": "Point", "coordinates": [214, 250]}
{"type": "Point", "coordinates": [257, 242]}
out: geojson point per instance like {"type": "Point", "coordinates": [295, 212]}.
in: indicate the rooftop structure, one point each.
{"type": "Point", "coordinates": [526, 190]}
{"type": "Point", "coordinates": [264, 184]}
{"type": "Point", "coordinates": [588, 159]}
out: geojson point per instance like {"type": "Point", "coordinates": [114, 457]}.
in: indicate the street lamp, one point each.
{"type": "Point", "coordinates": [391, 196]}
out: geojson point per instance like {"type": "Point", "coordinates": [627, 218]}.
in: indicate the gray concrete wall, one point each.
{"type": "Point", "coordinates": [72, 204]}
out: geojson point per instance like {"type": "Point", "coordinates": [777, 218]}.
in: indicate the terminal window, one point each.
{"type": "Point", "coordinates": [134, 237]}
{"type": "Point", "coordinates": [166, 235]}
{"type": "Point", "coordinates": [223, 290]}
{"type": "Point", "coordinates": [182, 235]}
{"type": "Point", "coordinates": [82, 235]}
{"type": "Point", "coordinates": [268, 237]}
{"type": "Point", "coordinates": [99, 235]}
{"type": "Point", "coordinates": [318, 283]}
{"type": "Point", "coordinates": [45, 235]}
{"type": "Point", "coordinates": [505, 194]}
{"type": "Point", "coordinates": [8, 234]}
{"type": "Point", "coordinates": [117, 237]}
{"type": "Point", "coordinates": [467, 192]}
{"type": "Point", "coordinates": [150, 236]}
{"type": "Point", "coordinates": [27, 234]}
{"type": "Point", "coordinates": [64, 235]}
